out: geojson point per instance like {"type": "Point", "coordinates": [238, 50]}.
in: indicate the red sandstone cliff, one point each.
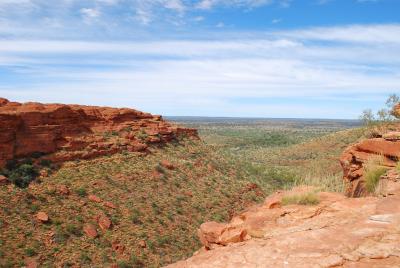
{"type": "Point", "coordinates": [67, 132]}
{"type": "Point", "coordinates": [356, 157]}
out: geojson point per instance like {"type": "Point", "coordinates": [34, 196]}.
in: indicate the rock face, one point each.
{"type": "Point", "coordinates": [68, 132]}
{"type": "Point", "coordinates": [354, 159]}
{"type": "Point", "coordinates": [338, 232]}
{"type": "Point", "coordinates": [396, 111]}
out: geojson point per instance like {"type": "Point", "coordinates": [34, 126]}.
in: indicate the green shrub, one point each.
{"type": "Point", "coordinates": [160, 169]}
{"type": "Point", "coordinates": [22, 175]}
{"type": "Point", "coordinates": [85, 258]}
{"type": "Point", "coordinates": [81, 192]}
{"type": "Point", "coordinates": [136, 216]}
{"type": "Point", "coordinates": [60, 236]}
{"type": "Point", "coordinates": [30, 252]}
{"type": "Point", "coordinates": [142, 135]}
{"type": "Point", "coordinates": [310, 198]}
{"type": "Point", "coordinates": [74, 229]}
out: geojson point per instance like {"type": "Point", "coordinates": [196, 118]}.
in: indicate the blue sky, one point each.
{"type": "Point", "coordinates": [246, 58]}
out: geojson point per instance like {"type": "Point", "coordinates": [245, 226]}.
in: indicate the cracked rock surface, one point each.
{"type": "Point", "coordinates": [337, 232]}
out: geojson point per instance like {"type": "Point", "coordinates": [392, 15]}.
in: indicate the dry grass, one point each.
{"type": "Point", "coordinates": [373, 170]}
{"type": "Point", "coordinates": [307, 199]}
{"type": "Point", "coordinates": [314, 162]}
{"type": "Point", "coordinates": [326, 183]}
{"type": "Point", "coordinates": [164, 210]}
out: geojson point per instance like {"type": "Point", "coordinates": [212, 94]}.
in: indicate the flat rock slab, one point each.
{"type": "Point", "coordinates": [338, 232]}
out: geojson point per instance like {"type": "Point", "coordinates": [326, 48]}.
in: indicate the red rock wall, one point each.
{"type": "Point", "coordinates": [67, 132]}
{"type": "Point", "coordinates": [354, 158]}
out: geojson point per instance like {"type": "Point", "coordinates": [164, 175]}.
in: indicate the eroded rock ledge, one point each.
{"type": "Point", "coordinates": [338, 232]}
{"type": "Point", "coordinates": [67, 132]}
{"type": "Point", "coordinates": [386, 147]}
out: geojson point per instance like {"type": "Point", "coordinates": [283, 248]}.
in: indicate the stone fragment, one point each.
{"type": "Point", "coordinates": [104, 222]}
{"type": "Point", "coordinates": [94, 198]}
{"type": "Point", "coordinates": [42, 216]}
{"type": "Point", "coordinates": [142, 244]}
{"type": "Point", "coordinates": [90, 230]}
{"type": "Point", "coordinates": [110, 205]}
{"type": "Point", "coordinates": [3, 180]}
{"type": "Point", "coordinates": [167, 164]}
{"type": "Point", "coordinates": [63, 189]}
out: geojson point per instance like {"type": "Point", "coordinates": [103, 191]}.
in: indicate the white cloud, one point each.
{"type": "Point", "coordinates": [90, 12]}
{"type": "Point", "coordinates": [208, 4]}
{"type": "Point", "coordinates": [108, 2]}
{"type": "Point", "coordinates": [275, 21]}
{"type": "Point", "coordinates": [15, 2]}
{"type": "Point", "coordinates": [189, 75]}
{"type": "Point", "coordinates": [198, 18]}
{"type": "Point", "coordinates": [387, 33]}
{"type": "Point", "coordinates": [176, 5]}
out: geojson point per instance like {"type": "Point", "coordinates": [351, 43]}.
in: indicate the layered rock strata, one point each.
{"type": "Point", "coordinates": [62, 132]}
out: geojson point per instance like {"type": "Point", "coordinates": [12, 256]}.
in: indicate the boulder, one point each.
{"type": "Point", "coordinates": [110, 205]}
{"type": "Point", "coordinates": [3, 180]}
{"type": "Point", "coordinates": [142, 244]}
{"type": "Point", "coordinates": [42, 216]}
{"type": "Point", "coordinates": [90, 230]}
{"type": "Point", "coordinates": [63, 190]}
{"type": "Point", "coordinates": [167, 164]}
{"type": "Point", "coordinates": [94, 198]}
{"type": "Point", "coordinates": [104, 222]}
{"type": "Point", "coordinates": [396, 111]}
{"type": "Point", "coordinates": [210, 232]}
{"type": "Point", "coordinates": [30, 262]}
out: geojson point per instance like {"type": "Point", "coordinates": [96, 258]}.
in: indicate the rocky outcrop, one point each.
{"type": "Point", "coordinates": [396, 111]}
{"type": "Point", "coordinates": [337, 232]}
{"type": "Point", "coordinates": [354, 159]}
{"type": "Point", "coordinates": [68, 132]}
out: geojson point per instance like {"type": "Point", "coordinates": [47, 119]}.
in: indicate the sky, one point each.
{"type": "Point", "coordinates": [236, 58]}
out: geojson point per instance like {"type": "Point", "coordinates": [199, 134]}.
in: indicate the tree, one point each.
{"type": "Point", "coordinates": [386, 114]}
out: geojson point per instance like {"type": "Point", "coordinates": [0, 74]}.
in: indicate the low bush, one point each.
{"type": "Point", "coordinates": [81, 192]}
{"type": "Point", "coordinates": [22, 175]}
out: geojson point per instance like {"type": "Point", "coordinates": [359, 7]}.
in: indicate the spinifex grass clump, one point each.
{"type": "Point", "coordinates": [373, 170]}
{"type": "Point", "coordinates": [309, 198]}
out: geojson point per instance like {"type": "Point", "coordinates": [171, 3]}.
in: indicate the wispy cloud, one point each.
{"type": "Point", "coordinates": [208, 4]}
{"type": "Point", "coordinates": [316, 65]}
{"type": "Point", "coordinates": [90, 14]}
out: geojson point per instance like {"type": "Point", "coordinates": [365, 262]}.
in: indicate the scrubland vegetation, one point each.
{"type": "Point", "coordinates": [281, 154]}
{"type": "Point", "coordinates": [158, 209]}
